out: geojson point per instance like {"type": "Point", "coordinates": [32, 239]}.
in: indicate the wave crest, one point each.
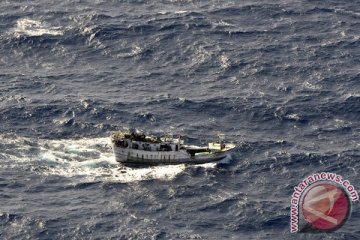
{"type": "Point", "coordinates": [35, 28]}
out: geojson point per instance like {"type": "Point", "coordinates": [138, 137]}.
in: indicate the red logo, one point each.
{"type": "Point", "coordinates": [325, 207]}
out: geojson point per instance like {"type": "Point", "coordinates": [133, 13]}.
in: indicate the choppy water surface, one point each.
{"type": "Point", "coordinates": [279, 78]}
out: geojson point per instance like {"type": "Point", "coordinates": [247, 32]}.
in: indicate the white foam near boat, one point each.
{"type": "Point", "coordinates": [131, 147]}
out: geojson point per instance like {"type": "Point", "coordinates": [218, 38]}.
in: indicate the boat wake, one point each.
{"type": "Point", "coordinates": [87, 159]}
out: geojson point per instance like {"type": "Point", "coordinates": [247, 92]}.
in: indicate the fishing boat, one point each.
{"type": "Point", "coordinates": [131, 147]}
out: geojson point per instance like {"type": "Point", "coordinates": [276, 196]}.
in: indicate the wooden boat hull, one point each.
{"type": "Point", "coordinates": [140, 157]}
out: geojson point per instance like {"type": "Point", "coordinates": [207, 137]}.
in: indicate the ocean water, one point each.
{"type": "Point", "coordinates": [280, 78]}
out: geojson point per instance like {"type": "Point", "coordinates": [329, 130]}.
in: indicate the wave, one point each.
{"type": "Point", "coordinates": [35, 28]}
{"type": "Point", "coordinates": [21, 226]}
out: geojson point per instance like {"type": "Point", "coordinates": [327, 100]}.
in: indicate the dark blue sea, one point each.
{"type": "Point", "coordinates": [280, 78]}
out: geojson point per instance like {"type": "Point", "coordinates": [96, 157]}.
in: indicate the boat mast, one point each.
{"type": "Point", "coordinates": [221, 140]}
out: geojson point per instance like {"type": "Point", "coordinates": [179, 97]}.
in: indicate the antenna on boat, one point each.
{"type": "Point", "coordinates": [221, 136]}
{"type": "Point", "coordinates": [221, 139]}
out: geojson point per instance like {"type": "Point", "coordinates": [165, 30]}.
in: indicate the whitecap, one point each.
{"type": "Point", "coordinates": [200, 56]}
{"type": "Point", "coordinates": [136, 50]}
{"type": "Point", "coordinates": [164, 12]}
{"type": "Point", "coordinates": [29, 27]}
{"type": "Point", "coordinates": [172, 12]}
{"type": "Point", "coordinates": [181, 12]}
{"type": "Point", "coordinates": [224, 61]}
{"type": "Point", "coordinates": [222, 23]}
{"type": "Point", "coordinates": [311, 86]}
{"type": "Point", "coordinates": [293, 116]}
